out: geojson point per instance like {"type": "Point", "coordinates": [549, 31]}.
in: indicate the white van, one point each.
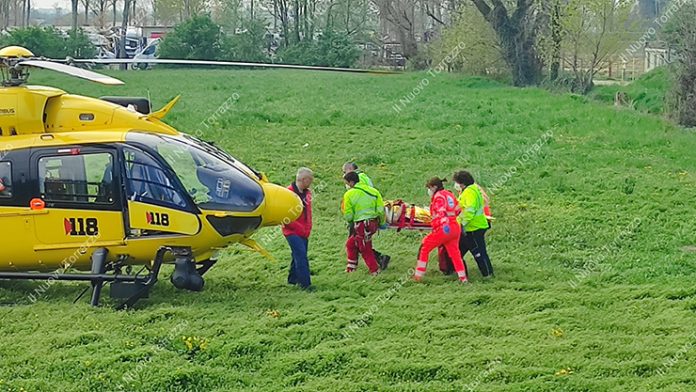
{"type": "Point", "coordinates": [148, 52]}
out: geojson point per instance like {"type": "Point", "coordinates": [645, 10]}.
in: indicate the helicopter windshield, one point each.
{"type": "Point", "coordinates": [213, 178]}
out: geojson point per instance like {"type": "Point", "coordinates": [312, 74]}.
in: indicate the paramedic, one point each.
{"type": "Point", "coordinates": [363, 209]}
{"type": "Point", "coordinates": [473, 220]}
{"type": "Point", "coordinates": [444, 210]}
{"type": "Point", "coordinates": [348, 167]}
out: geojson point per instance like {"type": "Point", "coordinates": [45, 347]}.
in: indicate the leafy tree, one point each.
{"type": "Point", "coordinates": [336, 50]}
{"type": "Point", "coordinates": [78, 45]}
{"type": "Point", "coordinates": [470, 45]}
{"type": "Point", "coordinates": [45, 42]}
{"type": "Point", "coordinates": [50, 42]}
{"type": "Point", "coordinates": [681, 35]}
{"type": "Point", "coordinates": [593, 31]}
{"type": "Point", "coordinates": [199, 38]}
{"type": "Point", "coordinates": [332, 49]}
{"type": "Point", "coordinates": [247, 45]}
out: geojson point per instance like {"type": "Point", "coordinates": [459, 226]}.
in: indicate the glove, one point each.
{"type": "Point", "coordinates": [384, 227]}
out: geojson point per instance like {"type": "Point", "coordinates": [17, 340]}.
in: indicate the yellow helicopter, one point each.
{"type": "Point", "coordinates": [91, 187]}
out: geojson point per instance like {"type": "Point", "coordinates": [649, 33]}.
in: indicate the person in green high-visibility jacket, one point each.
{"type": "Point", "coordinates": [353, 167]}
{"type": "Point", "coordinates": [363, 209]}
{"type": "Point", "coordinates": [348, 167]}
{"type": "Point", "coordinates": [473, 220]}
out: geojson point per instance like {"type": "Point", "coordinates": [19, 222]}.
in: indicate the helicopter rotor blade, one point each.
{"type": "Point", "coordinates": [227, 63]}
{"type": "Point", "coordinates": [73, 71]}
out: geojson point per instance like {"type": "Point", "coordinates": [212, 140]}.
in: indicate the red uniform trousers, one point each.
{"type": "Point", "coordinates": [448, 237]}
{"type": "Point", "coordinates": [445, 262]}
{"type": "Point", "coordinates": [360, 242]}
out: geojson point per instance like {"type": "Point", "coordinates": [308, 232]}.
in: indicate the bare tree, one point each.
{"type": "Point", "coordinates": [85, 4]}
{"type": "Point", "coordinates": [74, 4]}
{"type": "Point", "coordinates": [124, 29]}
{"type": "Point", "coordinates": [401, 17]}
{"type": "Point", "coordinates": [516, 31]}
{"type": "Point", "coordinates": [593, 32]}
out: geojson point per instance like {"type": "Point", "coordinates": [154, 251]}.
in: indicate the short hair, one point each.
{"type": "Point", "coordinates": [303, 172]}
{"type": "Point", "coordinates": [352, 165]}
{"type": "Point", "coordinates": [352, 177]}
{"type": "Point", "coordinates": [463, 177]}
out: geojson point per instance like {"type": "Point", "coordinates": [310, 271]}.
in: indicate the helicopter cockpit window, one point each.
{"type": "Point", "coordinates": [5, 180]}
{"type": "Point", "coordinates": [82, 178]}
{"type": "Point", "coordinates": [148, 182]}
{"type": "Point", "coordinates": [213, 179]}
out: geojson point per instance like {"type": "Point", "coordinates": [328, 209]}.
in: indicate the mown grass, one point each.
{"type": "Point", "coordinates": [593, 250]}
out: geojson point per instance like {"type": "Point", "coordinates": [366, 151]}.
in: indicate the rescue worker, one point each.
{"type": "Point", "coordinates": [363, 209]}
{"type": "Point", "coordinates": [353, 167]}
{"type": "Point", "coordinates": [445, 262]}
{"type": "Point", "coordinates": [348, 167]}
{"type": "Point", "coordinates": [297, 232]}
{"type": "Point", "coordinates": [2, 186]}
{"type": "Point", "coordinates": [473, 220]}
{"type": "Point", "coordinates": [444, 210]}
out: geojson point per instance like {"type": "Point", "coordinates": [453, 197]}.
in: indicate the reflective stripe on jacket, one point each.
{"type": "Point", "coordinates": [444, 208]}
{"type": "Point", "coordinates": [363, 202]}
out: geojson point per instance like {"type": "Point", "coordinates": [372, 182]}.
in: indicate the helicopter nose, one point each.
{"type": "Point", "coordinates": [282, 205]}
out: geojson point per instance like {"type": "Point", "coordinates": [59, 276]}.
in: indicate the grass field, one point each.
{"type": "Point", "coordinates": [647, 93]}
{"type": "Point", "coordinates": [594, 248]}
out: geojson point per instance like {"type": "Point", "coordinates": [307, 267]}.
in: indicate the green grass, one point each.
{"type": "Point", "coordinates": [593, 250]}
{"type": "Point", "coordinates": [647, 92]}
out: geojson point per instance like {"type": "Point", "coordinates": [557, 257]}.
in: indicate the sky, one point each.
{"type": "Point", "coordinates": [64, 4]}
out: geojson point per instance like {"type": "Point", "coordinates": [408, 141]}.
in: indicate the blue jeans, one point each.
{"type": "Point", "coordinates": [299, 267]}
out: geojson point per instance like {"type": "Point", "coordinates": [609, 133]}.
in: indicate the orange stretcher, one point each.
{"type": "Point", "coordinates": [401, 215]}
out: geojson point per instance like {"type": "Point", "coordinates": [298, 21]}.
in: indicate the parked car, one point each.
{"type": "Point", "coordinates": [148, 52]}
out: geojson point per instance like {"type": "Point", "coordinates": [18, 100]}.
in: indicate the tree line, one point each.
{"type": "Point", "coordinates": [528, 42]}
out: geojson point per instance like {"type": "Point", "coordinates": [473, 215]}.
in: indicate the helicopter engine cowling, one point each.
{"type": "Point", "coordinates": [140, 104]}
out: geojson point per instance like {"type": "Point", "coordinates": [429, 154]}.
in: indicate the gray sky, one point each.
{"type": "Point", "coordinates": [65, 4]}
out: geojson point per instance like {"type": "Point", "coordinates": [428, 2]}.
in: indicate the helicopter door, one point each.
{"type": "Point", "coordinates": [156, 204]}
{"type": "Point", "coordinates": [81, 194]}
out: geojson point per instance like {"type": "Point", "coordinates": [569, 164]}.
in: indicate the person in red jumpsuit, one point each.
{"type": "Point", "coordinates": [444, 210]}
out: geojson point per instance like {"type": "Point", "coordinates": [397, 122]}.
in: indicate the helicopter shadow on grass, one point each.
{"type": "Point", "coordinates": [219, 290]}
{"type": "Point", "coordinates": [16, 293]}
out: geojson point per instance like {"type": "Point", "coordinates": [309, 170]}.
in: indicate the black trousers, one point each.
{"type": "Point", "coordinates": [475, 243]}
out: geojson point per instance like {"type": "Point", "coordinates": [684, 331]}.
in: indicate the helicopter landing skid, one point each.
{"type": "Point", "coordinates": [127, 287]}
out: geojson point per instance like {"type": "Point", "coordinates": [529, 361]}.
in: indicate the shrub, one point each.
{"type": "Point", "coordinates": [332, 49]}
{"type": "Point", "coordinates": [199, 38]}
{"type": "Point", "coordinates": [249, 45]}
{"type": "Point", "coordinates": [51, 42]}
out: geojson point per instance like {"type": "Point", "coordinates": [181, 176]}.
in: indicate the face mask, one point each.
{"type": "Point", "coordinates": [431, 192]}
{"type": "Point", "coordinates": [458, 187]}
{"type": "Point", "coordinates": [347, 186]}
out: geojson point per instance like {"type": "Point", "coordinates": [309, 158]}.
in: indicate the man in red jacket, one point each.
{"type": "Point", "coordinates": [297, 233]}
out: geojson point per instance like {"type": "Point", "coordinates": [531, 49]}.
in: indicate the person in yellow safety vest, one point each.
{"type": "Point", "coordinates": [353, 167]}
{"type": "Point", "coordinates": [473, 220]}
{"type": "Point", "coordinates": [363, 209]}
{"type": "Point", "coordinates": [348, 167]}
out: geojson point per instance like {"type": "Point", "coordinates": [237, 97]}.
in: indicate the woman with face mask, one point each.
{"type": "Point", "coordinates": [474, 221]}
{"type": "Point", "coordinates": [444, 210]}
